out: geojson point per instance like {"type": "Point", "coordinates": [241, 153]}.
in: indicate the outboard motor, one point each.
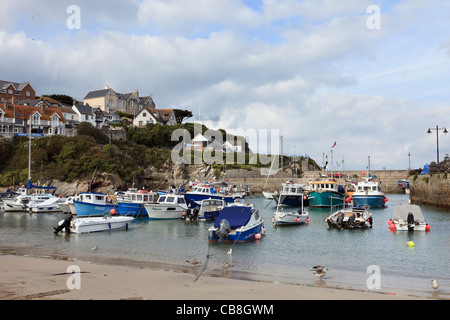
{"type": "Point", "coordinates": [410, 221]}
{"type": "Point", "coordinates": [340, 219]}
{"type": "Point", "coordinates": [64, 225]}
{"type": "Point", "coordinates": [194, 214]}
{"type": "Point", "coordinates": [351, 220]}
{"type": "Point", "coordinates": [224, 230]}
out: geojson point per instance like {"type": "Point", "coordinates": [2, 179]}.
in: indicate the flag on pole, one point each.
{"type": "Point", "coordinates": [333, 145]}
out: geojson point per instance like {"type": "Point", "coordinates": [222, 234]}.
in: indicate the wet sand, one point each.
{"type": "Point", "coordinates": [31, 278]}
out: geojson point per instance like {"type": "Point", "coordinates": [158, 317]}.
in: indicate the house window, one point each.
{"type": "Point", "coordinates": [10, 91]}
{"type": "Point", "coordinates": [144, 114]}
{"type": "Point", "coordinates": [28, 93]}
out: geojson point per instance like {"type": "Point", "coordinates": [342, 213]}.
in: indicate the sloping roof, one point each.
{"type": "Point", "coordinates": [97, 93]}
{"type": "Point", "coordinates": [24, 112]}
{"type": "Point", "coordinates": [17, 86]}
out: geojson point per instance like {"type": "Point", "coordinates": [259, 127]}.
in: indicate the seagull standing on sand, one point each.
{"type": "Point", "coordinates": [194, 262]}
{"type": "Point", "coordinates": [225, 265]}
{"type": "Point", "coordinates": [320, 271]}
{"type": "Point", "coordinates": [94, 248]}
{"type": "Point", "coordinates": [434, 283]}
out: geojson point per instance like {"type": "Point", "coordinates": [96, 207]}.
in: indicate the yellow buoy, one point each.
{"type": "Point", "coordinates": [410, 244]}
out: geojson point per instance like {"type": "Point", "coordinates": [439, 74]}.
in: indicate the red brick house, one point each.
{"type": "Point", "coordinates": [13, 91]}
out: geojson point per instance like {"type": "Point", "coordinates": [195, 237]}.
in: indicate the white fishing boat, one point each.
{"type": "Point", "coordinates": [368, 192]}
{"type": "Point", "coordinates": [408, 217]}
{"type": "Point", "coordinates": [132, 202]}
{"type": "Point", "coordinates": [209, 209]}
{"type": "Point", "coordinates": [50, 205]}
{"type": "Point", "coordinates": [20, 202]}
{"type": "Point", "coordinates": [94, 224]}
{"type": "Point", "coordinates": [67, 206]}
{"type": "Point", "coordinates": [350, 219]}
{"type": "Point", "coordinates": [169, 206]}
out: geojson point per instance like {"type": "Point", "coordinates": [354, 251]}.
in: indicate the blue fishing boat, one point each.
{"type": "Point", "coordinates": [93, 204]}
{"type": "Point", "coordinates": [203, 192]}
{"type": "Point", "coordinates": [237, 223]}
{"type": "Point", "coordinates": [132, 202]}
{"type": "Point", "coordinates": [292, 195]}
{"type": "Point", "coordinates": [326, 194]}
{"type": "Point", "coordinates": [368, 193]}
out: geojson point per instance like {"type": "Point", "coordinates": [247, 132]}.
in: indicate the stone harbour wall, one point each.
{"type": "Point", "coordinates": [431, 189]}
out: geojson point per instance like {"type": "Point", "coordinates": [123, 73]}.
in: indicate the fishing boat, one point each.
{"type": "Point", "coordinates": [408, 217]}
{"type": "Point", "coordinates": [237, 223]}
{"type": "Point", "coordinates": [169, 206]}
{"type": "Point", "coordinates": [96, 224]}
{"type": "Point", "coordinates": [292, 194]}
{"type": "Point", "coordinates": [289, 217]}
{"type": "Point", "coordinates": [350, 219]}
{"type": "Point", "coordinates": [50, 205]}
{"type": "Point", "coordinates": [203, 192]}
{"type": "Point", "coordinates": [368, 193]}
{"type": "Point", "coordinates": [20, 202]}
{"type": "Point", "coordinates": [326, 193]}
{"type": "Point", "coordinates": [209, 209]}
{"type": "Point", "coordinates": [67, 205]}
{"type": "Point", "coordinates": [132, 202]}
{"type": "Point", "coordinates": [92, 204]}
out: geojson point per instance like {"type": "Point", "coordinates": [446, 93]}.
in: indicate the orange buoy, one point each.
{"type": "Point", "coordinates": [427, 227]}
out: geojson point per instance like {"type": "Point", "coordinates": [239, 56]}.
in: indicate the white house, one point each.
{"type": "Point", "coordinates": [144, 117]}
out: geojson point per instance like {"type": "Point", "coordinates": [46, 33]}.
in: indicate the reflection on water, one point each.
{"type": "Point", "coordinates": [286, 253]}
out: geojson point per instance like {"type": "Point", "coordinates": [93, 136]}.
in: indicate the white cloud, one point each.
{"type": "Point", "coordinates": [321, 75]}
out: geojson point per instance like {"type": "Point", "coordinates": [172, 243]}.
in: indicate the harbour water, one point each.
{"type": "Point", "coordinates": [285, 254]}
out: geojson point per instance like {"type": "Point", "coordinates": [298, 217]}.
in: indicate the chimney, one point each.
{"type": "Point", "coordinates": [74, 102]}
{"type": "Point", "coordinates": [43, 109]}
{"type": "Point", "coordinates": [136, 93]}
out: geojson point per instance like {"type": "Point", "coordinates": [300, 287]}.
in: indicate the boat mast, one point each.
{"type": "Point", "coordinates": [29, 157]}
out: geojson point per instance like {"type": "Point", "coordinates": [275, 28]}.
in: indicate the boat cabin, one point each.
{"type": "Point", "coordinates": [202, 190]}
{"type": "Point", "coordinates": [324, 186]}
{"type": "Point", "coordinates": [291, 188]}
{"type": "Point", "coordinates": [172, 199]}
{"type": "Point", "coordinates": [93, 197]}
{"type": "Point", "coordinates": [141, 196]}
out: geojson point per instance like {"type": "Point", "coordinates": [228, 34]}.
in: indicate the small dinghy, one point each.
{"type": "Point", "coordinates": [281, 218]}
{"type": "Point", "coordinates": [93, 224]}
{"type": "Point", "coordinates": [408, 217]}
{"type": "Point", "coordinates": [345, 219]}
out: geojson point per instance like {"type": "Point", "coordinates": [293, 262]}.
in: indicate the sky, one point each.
{"type": "Point", "coordinates": [372, 76]}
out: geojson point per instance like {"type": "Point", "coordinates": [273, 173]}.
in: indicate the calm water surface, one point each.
{"type": "Point", "coordinates": [285, 254]}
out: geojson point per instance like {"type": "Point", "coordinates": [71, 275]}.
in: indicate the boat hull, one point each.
{"type": "Point", "coordinates": [13, 207]}
{"type": "Point", "coordinates": [238, 235]}
{"type": "Point", "coordinates": [85, 209]}
{"type": "Point", "coordinates": [161, 211]}
{"type": "Point", "coordinates": [196, 199]}
{"type": "Point", "coordinates": [99, 224]}
{"type": "Point", "coordinates": [289, 218]}
{"type": "Point", "coordinates": [325, 199]}
{"type": "Point", "coordinates": [132, 209]}
{"type": "Point", "coordinates": [375, 201]}
{"type": "Point", "coordinates": [55, 208]}
{"type": "Point", "coordinates": [291, 200]}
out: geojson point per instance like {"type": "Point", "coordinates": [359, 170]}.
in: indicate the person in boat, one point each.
{"type": "Point", "coordinates": [188, 213]}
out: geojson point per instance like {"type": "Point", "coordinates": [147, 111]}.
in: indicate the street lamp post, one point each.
{"type": "Point", "coordinates": [437, 138]}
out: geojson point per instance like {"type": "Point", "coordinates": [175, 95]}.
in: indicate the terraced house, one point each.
{"type": "Point", "coordinates": [20, 119]}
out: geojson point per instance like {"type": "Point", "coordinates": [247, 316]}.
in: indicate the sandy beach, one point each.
{"type": "Point", "coordinates": [30, 278]}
